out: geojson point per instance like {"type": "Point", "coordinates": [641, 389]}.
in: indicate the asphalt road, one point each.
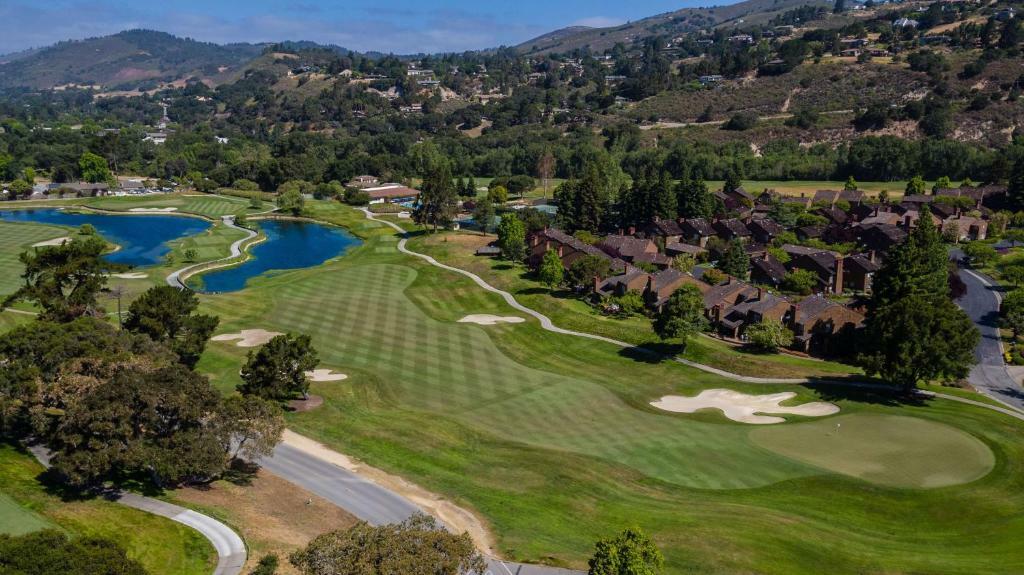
{"type": "Point", "coordinates": [366, 500]}
{"type": "Point", "coordinates": [231, 552]}
{"type": "Point", "coordinates": [989, 376]}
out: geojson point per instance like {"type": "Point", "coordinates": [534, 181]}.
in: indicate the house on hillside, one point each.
{"type": "Point", "coordinates": [569, 250]}
{"type": "Point", "coordinates": [668, 230]}
{"type": "Point", "coordinates": [817, 322]}
{"type": "Point", "coordinates": [767, 270]}
{"type": "Point", "coordinates": [661, 285]}
{"type": "Point", "coordinates": [731, 229]}
{"type": "Point", "coordinates": [696, 231]}
{"type": "Point", "coordinates": [858, 272]}
{"type": "Point", "coordinates": [825, 264]}
{"type": "Point", "coordinates": [764, 230]}
{"type": "Point", "coordinates": [626, 247]}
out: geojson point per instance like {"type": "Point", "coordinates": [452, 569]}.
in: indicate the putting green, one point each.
{"type": "Point", "coordinates": [890, 450]}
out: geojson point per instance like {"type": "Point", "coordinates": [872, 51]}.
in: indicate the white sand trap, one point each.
{"type": "Point", "coordinates": [248, 337]}
{"type": "Point", "coordinates": [130, 276]}
{"type": "Point", "coordinates": [53, 242]}
{"type": "Point", "coordinates": [325, 375]}
{"type": "Point", "coordinates": [487, 319]}
{"type": "Point", "coordinates": [742, 407]}
{"type": "Point", "coordinates": [153, 210]}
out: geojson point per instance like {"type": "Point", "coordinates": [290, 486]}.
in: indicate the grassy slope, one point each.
{"type": "Point", "coordinates": [163, 546]}
{"type": "Point", "coordinates": [551, 438]}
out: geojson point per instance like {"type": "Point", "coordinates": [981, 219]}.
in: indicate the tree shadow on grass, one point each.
{"type": "Point", "coordinates": [239, 472]}
{"type": "Point", "coordinates": [652, 352]}
{"type": "Point", "coordinates": [856, 389]}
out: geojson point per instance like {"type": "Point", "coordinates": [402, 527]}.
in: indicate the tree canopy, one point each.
{"type": "Point", "coordinates": [65, 280]}
{"type": "Point", "coordinates": [165, 313]}
{"type": "Point", "coordinates": [682, 315]}
{"type": "Point", "coordinates": [277, 369]}
{"type": "Point", "coordinates": [630, 553]}
{"type": "Point", "coordinates": [416, 546]}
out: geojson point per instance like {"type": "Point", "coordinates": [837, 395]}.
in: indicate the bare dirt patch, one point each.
{"type": "Point", "coordinates": [488, 319]}
{"type": "Point", "coordinates": [309, 404]}
{"type": "Point", "coordinates": [248, 337]}
{"type": "Point", "coordinates": [273, 515]}
{"type": "Point", "coordinates": [743, 407]}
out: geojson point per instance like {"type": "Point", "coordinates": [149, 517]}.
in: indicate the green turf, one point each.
{"type": "Point", "coordinates": [17, 520]}
{"type": "Point", "coordinates": [16, 238]}
{"type": "Point", "coordinates": [161, 545]}
{"type": "Point", "coordinates": [202, 204]}
{"type": "Point", "coordinates": [928, 454]}
{"type": "Point", "coordinates": [551, 438]}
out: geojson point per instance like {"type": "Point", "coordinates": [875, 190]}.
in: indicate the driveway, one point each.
{"type": "Point", "coordinates": [989, 376]}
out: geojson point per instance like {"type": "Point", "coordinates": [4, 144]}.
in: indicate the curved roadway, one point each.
{"type": "Point", "coordinates": [174, 278]}
{"type": "Point", "coordinates": [989, 375]}
{"type": "Point", "coordinates": [231, 552]}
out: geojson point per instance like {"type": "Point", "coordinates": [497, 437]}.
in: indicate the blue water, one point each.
{"type": "Point", "coordinates": [289, 245]}
{"type": "Point", "coordinates": [143, 239]}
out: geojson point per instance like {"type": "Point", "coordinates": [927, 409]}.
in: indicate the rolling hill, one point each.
{"type": "Point", "coordinates": [126, 59]}
{"type": "Point", "coordinates": [676, 22]}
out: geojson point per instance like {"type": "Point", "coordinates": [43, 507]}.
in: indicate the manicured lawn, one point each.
{"type": "Point", "coordinates": [202, 204]}
{"type": "Point", "coordinates": [860, 445]}
{"type": "Point", "coordinates": [552, 439]}
{"type": "Point", "coordinates": [15, 238]}
{"type": "Point", "coordinates": [163, 546]}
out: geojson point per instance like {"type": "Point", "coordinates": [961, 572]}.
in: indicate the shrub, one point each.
{"type": "Point", "coordinates": [769, 335]}
{"type": "Point", "coordinates": [741, 122]}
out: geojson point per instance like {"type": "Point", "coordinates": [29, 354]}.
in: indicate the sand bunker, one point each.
{"type": "Point", "coordinates": [53, 242]}
{"type": "Point", "coordinates": [248, 337]}
{"type": "Point", "coordinates": [130, 276]}
{"type": "Point", "coordinates": [325, 375]}
{"type": "Point", "coordinates": [153, 210]}
{"type": "Point", "coordinates": [742, 407]}
{"type": "Point", "coordinates": [487, 319]}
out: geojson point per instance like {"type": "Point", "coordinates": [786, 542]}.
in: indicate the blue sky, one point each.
{"type": "Point", "coordinates": [400, 26]}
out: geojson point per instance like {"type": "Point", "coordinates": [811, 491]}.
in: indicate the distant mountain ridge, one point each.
{"type": "Point", "coordinates": [146, 59]}
{"type": "Point", "coordinates": [676, 22]}
{"type": "Point", "coordinates": [125, 59]}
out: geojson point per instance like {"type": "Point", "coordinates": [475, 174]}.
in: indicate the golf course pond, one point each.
{"type": "Point", "coordinates": [143, 241]}
{"type": "Point", "coordinates": [289, 245]}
